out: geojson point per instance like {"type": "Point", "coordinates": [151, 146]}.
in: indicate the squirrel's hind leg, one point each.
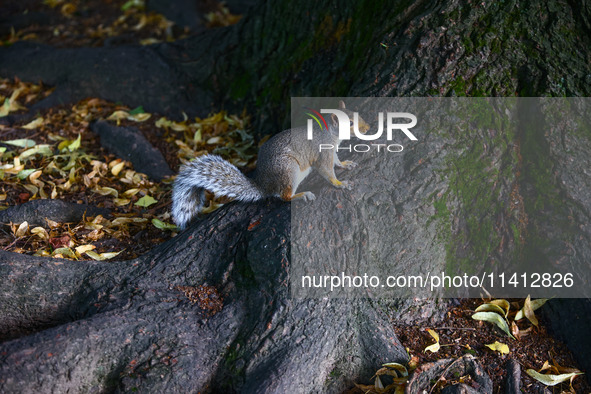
{"type": "Point", "coordinates": [297, 176]}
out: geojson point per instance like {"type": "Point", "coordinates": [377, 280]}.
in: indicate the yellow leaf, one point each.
{"type": "Point", "coordinates": [131, 192]}
{"type": "Point", "coordinates": [64, 252]}
{"type": "Point", "coordinates": [489, 307]}
{"type": "Point", "coordinates": [435, 347]}
{"type": "Point", "coordinates": [121, 201]}
{"type": "Point", "coordinates": [140, 117]}
{"type": "Point", "coordinates": [34, 124]}
{"type": "Point", "coordinates": [33, 177]}
{"type": "Point", "coordinates": [76, 144]}
{"type": "Point", "coordinates": [399, 367]}
{"type": "Point", "coordinates": [106, 191]}
{"type": "Point", "coordinates": [84, 248]}
{"type": "Point", "coordinates": [503, 304]}
{"type": "Point", "coordinates": [551, 380]}
{"type": "Point", "coordinates": [40, 232]}
{"type": "Point", "coordinates": [102, 256]}
{"type": "Point", "coordinates": [117, 168]}
{"type": "Point", "coordinates": [499, 347]}
{"type": "Point", "coordinates": [118, 115]}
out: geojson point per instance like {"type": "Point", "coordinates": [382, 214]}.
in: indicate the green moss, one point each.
{"type": "Point", "coordinates": [475, 187]}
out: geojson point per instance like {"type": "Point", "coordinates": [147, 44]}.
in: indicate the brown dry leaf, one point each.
{"type": "Point", "coordinates": [535, 304]}
{"type": "Point", "coordinates": [529, 312]}
{"type": "Point", "coordinates": [60, 242]}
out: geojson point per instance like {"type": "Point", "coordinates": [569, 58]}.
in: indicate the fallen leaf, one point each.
{"type": "Point", "coordinates": [499, 347]}
{"type": "Point", "coordinates": [21, 143]}
{"type": "Point", "coordinates": [146, 201]}
{"type": "Point", "coordinates": [489, 307]}
{"type": "Point", "coordinates": [163, 225]}
{"type": "Point", "coordinates": [22, 229]}
{"type": "Point", "coordinates": [75, 144]}
{"type": "Point", "coordinates": [117, 168]}
{"type": "Point", "coordinates": [59, 242]}
{"type": "Point", "coordinates": [102, 256]}
{"type": "Point", "coordinates": [535, 304]}
{"type": "Point", "coordinates": [63, 252]}
{"type": "Point", "coordinates": [40, 232]}
{"type": "Point", "coordinates": [494, 318]}
{"type": "Point", "coordinates": [33, 124]}
{"type": "Point", "coordinates": [551, 380]}
{"type": "Point", "coordinates": [435, 347]}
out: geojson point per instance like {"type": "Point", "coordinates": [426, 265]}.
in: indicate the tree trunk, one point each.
{"type": "Point", "coordinates": [96, 326]}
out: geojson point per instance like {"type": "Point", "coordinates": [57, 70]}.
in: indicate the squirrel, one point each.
{"type": "Point", "coordinates": [284, 161]}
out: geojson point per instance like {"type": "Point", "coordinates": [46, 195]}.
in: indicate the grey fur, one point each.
{"type": "Point", "coordinates": [283, 163]}
{"type": "Point", "coordinates": [208, 172]}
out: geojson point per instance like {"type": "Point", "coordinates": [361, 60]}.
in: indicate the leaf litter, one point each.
{"type": "Point", "coordinates": [57, 157]}
{"type": "Point", "coordinates": [542, 358]}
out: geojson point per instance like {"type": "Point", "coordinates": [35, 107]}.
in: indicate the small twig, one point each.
{"type": "Point", "coordinates": [11, 244]}
{"type": "Point", "coordinates": [455, 328]}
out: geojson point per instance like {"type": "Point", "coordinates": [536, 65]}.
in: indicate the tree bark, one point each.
{"type": "Point", "coordinates": [96, 326]}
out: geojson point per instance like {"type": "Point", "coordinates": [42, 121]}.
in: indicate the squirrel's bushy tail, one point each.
{"type": "Point", "coordinates": [208, 172]}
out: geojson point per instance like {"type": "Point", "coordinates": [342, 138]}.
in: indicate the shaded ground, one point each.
{"type": "Point", "coordinates": [460, 334]}
{"type": "Point", "coordinates": [78, 27]}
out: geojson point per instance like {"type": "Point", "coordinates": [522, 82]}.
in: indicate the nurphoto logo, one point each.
{"type": "Point", "coordinates": [346, 125]}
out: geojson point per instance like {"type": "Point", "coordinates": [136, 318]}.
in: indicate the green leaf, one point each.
{"type": "Point", "coordinates": [137, 110]}
{"type": "Point", "coordinates": [21, 143]}
{"type": "Point", "coordinates": [130, 4]}
{"type": "Point", "coordinates": [76, 144]}
{"type": "Point", "coordinates": [551, 380]}
{"type": "Point", "coordinates": [495, 319]}
{"type": "Point", "coordinates": [43, 149]}
{"type": "Point", "coordinates": [5, 109]}
{"type": "Point", "coordinates": [163, 225]}
{"type": "Point", "coordinates": [146, 201]}
{"type": "Point", "coordinates": [23, 174]}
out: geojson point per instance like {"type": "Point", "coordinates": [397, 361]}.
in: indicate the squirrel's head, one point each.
{"type": "Point", "coordinates": [363, 127]}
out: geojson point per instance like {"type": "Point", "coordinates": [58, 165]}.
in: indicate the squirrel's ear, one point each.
{"type": "Point", "coordinates": [334, 119]}
{"type": "Point", "coordinates": [342, 104]}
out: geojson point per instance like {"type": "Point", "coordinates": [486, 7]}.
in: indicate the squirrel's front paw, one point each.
{"type": "Point", "coordinates": [347, 185]}
{"type": "Point", "coordinates": [348, 164]}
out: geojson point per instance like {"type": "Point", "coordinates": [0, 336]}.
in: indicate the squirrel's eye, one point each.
{"type": "Point", "coordinates": [350, 123]}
